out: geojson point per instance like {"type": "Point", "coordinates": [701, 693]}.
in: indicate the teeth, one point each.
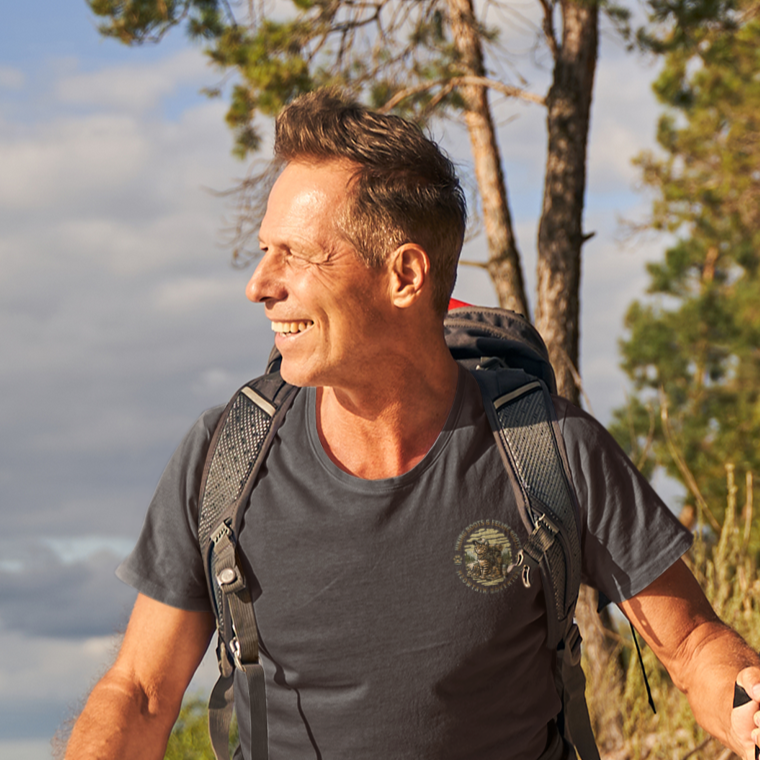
{"type": "Point", "coordinates": [291, 327]}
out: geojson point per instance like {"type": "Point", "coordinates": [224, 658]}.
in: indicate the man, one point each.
{"type": "Point", "coordinates": [373, 646]}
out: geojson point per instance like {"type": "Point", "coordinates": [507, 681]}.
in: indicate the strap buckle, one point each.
{"type": "Point", "coordinates": [224, 662]}
{"type": "Point", "coordinates": [235, 649]}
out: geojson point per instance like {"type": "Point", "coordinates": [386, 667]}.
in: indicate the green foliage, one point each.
{"type": "Point", "coordinates": [692, 345]}
{"type": "Point", "coordinates": [189, 739]}
{"type": "Point", "coordinates": [138, 21]}
{"type": "Point", "coordinates": [678, 26]}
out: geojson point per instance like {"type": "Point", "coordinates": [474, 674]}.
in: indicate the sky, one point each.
{"type": "Point", "coordinates": [121, 317]}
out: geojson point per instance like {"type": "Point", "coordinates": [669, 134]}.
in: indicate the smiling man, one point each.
{"type": "Point", "coordinates": [375, 643]}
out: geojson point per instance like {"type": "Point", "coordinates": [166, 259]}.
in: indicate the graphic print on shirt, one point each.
{"type": "Point", "coordinates": [484, 554]}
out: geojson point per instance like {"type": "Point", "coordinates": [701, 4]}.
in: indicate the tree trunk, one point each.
{"type": "Point", "coordinates": [560, 233]}
{"type": "Point", "coordinates": [560, 239]}
{"type": "Point", "coordinates": [504, 258]}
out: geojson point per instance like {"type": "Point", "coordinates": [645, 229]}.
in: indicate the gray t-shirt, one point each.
{"type": "Point", "coordinates": [384, 632]}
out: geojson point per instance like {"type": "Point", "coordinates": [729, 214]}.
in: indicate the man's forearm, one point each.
{"type": "Point", "coordinates": [131, 711]}
{"type": "Point", "coordinates": [120, 722]}
{"type": "Point", "coordinates": [719, 656]}
{"type": "Point", "coordinates": [703, 656]}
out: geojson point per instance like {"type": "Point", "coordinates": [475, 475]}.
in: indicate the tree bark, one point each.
{"type": "Point", "coordinates": [560, 234]}
{"type": "Point", "coordinates": [560, 239]}
{"type": "Point", "coordinates": [504, 258]}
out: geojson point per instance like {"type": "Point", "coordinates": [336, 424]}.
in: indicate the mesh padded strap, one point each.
{"type": "Point", "coordinates": [236, 453]}
{"type": "Point", "coordinates": [527, 433]}
{"type": "Point", "coordinates": [532, 443]}
{"type": "Point", "coordinates": [241, 435]}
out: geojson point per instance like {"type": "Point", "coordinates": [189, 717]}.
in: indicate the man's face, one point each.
{"type": "Point", "coordinates": [327, 308]}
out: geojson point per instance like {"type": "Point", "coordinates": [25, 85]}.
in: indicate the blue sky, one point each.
{"type": "Point", "coordinates": [121, 318]}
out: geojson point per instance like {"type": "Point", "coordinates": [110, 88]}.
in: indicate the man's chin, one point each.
{"type": "Point", "coordinates": [294, 375]}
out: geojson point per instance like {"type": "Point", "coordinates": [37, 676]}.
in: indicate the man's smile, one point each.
{"type": "Point", "coordinates": [286, 328]}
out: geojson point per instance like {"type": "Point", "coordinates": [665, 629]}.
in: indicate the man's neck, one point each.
{"type": "Point", "coordinates": [383, 429]}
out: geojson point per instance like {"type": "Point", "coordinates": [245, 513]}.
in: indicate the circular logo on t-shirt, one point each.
{"type": "Point", "coordinates": [484, 554]}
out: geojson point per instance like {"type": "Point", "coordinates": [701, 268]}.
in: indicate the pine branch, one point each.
{"type": "Point", "coordinates": [548, 27]}
{"type": "Point", "coordinates": [504, 89]}
{"type": "Point", "coordinates": [681, 464]}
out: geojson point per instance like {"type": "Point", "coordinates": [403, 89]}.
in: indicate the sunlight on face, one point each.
{"type": "Point", "coordinates": [327, 307]}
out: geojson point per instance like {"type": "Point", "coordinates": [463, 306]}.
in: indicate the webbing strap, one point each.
{"type": "Point", "coordinates": [220, 713]}
{"type": "Point", "coordinates": [578, 729]}
{"type": "Point", "coordinates": [220, 716]}
{"type": "Point", "coordinates": [254, 677]}
{"type": "Point", "coordinates": [238, 625]}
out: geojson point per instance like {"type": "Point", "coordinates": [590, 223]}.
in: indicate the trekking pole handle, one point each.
{"type": "Point", "coordinates": [741, 698]}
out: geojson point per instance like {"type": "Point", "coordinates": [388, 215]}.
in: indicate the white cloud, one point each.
{"type": "Point", "coordinates": [623, 122]}
{"type": "Point", "coordinates": [135, 87]}
{"type": "Point", "coordinates": [191, 293]}
{"type": "Point", "coordinates": [114, 165]}
{"type": "Point", "coordinates": [68, 158]}
{"type": "Point", "coordinates": [26, 749]}
{"type": "Point", "coordinates": [217, 382]}
{"type": "Point", "coordinates": [21, 670]}
{"type": "Point", "coordinates": [11, 79]}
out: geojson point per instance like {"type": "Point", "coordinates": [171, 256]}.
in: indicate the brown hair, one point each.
{"type": "Point", "coordinates": [405, 190]}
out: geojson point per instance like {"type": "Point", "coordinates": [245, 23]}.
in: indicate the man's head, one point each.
{"type": "Point", "coordinates": [403, 189]}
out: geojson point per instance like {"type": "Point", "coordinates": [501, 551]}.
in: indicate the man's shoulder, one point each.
{"type": "Point", "coordinates": [578, 426]}
{"type": "Point", "coordinates": [209, 419]}
{"type": "Point", "coordinates": [203, 428]}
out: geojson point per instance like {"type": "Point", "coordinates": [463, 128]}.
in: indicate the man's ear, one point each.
{"type": "Point", "coordinates": [410, 272]}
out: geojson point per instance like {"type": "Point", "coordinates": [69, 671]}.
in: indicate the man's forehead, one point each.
{"type": "Point", "coordinates": [306, 194]}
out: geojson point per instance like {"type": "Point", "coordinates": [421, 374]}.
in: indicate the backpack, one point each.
{"type": "Point", "coordinates": [509, 360]}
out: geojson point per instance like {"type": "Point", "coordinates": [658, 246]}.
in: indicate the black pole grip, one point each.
{"type": "Point", "coordinates": [741, 698]}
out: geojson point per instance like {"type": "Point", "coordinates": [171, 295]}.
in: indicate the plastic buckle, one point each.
{"type": "Point", "coordinates": [547, 523]}
{"type": "Point", "coordinates": [221, 532]}
{"type": "Point", "coordinates": [235, 647]}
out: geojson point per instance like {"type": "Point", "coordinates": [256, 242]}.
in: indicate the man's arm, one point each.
{"type": "Point", "coordinates": [703, 656]}
{"type": "Point", "coordinates": [131, 711]}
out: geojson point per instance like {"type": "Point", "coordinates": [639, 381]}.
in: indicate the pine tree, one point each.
{"type": "Point", "coordinates": [693, 346]}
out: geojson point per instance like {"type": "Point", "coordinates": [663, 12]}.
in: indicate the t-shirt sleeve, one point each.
{"type": "Point", "coordinates": [629, 537]}
{"type": "Point", "coordinates": [166, 563]}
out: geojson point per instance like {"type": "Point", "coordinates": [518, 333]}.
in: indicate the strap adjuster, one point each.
{"type": "Point", "coordinates": [235, 649]}
{"type": "Point", "coordinates": [230, 580]}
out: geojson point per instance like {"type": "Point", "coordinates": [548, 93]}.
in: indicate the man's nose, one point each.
{"type": "Point", "coordinates": [265, 283]}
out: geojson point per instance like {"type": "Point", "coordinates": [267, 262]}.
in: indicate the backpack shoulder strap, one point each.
{"type": "Point", "coordinates": [525, 426]}
{"type": "Point", "coordinates": [527, 432]}
{"type": "Point", "coordinates": [238, 448]}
